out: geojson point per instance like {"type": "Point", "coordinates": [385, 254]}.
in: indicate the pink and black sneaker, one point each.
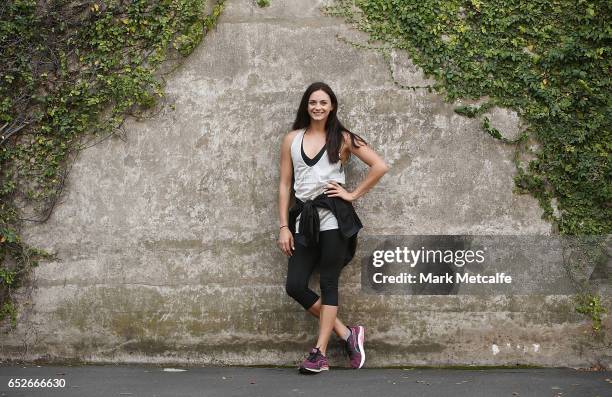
{"type": "Point", "coordinates": [315, 363]}
{"type": "Point", "coordinates": [354, 346]}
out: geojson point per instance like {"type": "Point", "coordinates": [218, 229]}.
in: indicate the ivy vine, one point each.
{"type": "Point", "coordinates": [547, 60]}
{"type": "Point", "coordinates": [71, 72]}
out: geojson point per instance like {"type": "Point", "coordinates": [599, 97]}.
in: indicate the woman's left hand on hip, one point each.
{"type": "Point", "coordinates": [334, 189]}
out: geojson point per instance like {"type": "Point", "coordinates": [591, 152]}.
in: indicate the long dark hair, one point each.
{"type": "Point", "coordinates": [333, 126]}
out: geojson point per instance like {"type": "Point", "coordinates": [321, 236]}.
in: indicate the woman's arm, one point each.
{"type": "Point", "coordinates": [285, 240]}
{"type": "Point", "coordinates": [378, 168]}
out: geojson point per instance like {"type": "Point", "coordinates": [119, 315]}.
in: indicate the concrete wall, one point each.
{"type": "Point", "coordinates": [166, 242]}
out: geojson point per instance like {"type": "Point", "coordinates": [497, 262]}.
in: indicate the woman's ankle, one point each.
{"type": "Point", "coordinates": [345, 334]}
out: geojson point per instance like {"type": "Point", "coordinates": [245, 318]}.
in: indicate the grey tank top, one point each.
{"type": "Point", "coordinates": [311, 178]}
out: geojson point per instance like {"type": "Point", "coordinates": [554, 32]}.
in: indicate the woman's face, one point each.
{"type": "Point", "coordinates": [319, 105]}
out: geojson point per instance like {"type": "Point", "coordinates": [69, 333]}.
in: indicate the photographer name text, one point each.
{"type": "Point", "coordinates": [430, 278]}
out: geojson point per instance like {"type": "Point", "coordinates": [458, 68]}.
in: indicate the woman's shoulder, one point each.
{"type": "Point", "coordinates": [290, 135]}
{"type": "Point", "coordinates": [348, 139]}
{"type": "Point", "coordinates": [294, 132]}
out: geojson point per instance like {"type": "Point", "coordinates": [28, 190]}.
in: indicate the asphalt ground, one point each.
{"type": "Point", "coordinates": [158, 381]}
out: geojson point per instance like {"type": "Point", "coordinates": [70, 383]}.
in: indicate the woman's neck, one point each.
{"type": "Point", "coordinates": [317, 127]}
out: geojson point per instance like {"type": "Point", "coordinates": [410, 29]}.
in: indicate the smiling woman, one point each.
{"type": "Point", "coordinates": [321, 228]}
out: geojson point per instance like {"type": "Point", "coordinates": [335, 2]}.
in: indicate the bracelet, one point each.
{"type": "Point", "coordinates": [283, 226]}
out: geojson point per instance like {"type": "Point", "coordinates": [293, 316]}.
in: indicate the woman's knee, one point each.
{"type": "Point", "coordinates": [329, 291]}
{"type": "Point", "coordinates": [295, 289]}
{"type": "Point", "coordinates": [329, 298]}
{"type": "Point", "coordinates": [301, 294]}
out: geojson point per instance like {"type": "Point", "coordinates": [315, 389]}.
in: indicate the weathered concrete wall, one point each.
{"type": "Point", "coordinates": [166, 242]}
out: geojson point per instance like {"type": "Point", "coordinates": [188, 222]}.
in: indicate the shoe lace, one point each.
{"type": "Point", "coordinates": [347, 346]}
{"type": "Point", "coordinates": [312, 357]}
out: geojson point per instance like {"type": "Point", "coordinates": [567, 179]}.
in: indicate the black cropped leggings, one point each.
{"type": "Point", "coordinates": [329, 254]}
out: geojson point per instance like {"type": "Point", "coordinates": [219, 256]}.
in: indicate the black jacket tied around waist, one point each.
{"type": "Point", "coordinates": [308, 233]}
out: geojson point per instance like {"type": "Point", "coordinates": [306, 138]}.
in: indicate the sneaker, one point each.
{"type": "Point", "coordinates": [315, 363]}
{"type": "Point", "coordinates": [354, 346]}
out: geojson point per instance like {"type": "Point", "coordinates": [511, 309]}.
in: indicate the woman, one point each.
{"type": "Point", "coordinates": [315, 155]}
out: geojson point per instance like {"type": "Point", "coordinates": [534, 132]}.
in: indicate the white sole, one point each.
{"type": "Point", "coordinates": [313, 370]}
{"type": "Point", "coordinates": [360, 342]}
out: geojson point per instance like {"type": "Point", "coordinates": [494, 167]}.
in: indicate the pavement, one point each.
{"type": "Point", "coordinates": [162, 381]}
